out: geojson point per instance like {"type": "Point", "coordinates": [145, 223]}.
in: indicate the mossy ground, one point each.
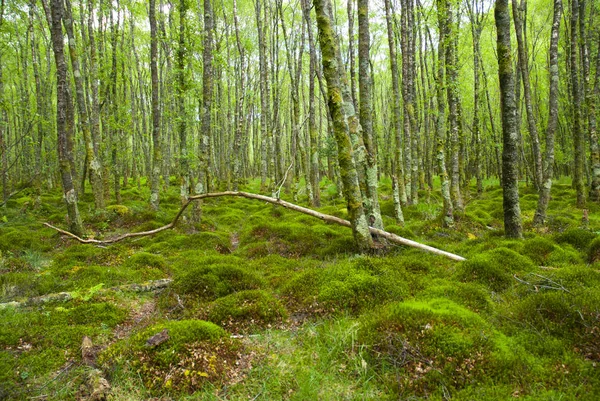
{"type": "Point", "coordinates": [269, 304]}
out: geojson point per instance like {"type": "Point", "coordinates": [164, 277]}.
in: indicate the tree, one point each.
{"type": "Point", "coordinates": [332, 70]}
{"type": "Point", "coordinates": [156, 143]}
{"type": "Point", "coordinates": [366, 115]}
{"type": "Point", "coordinates": [64, 124]}
{"type": "Point", "coordinates": [510, 183]}
{"type": "Point", "coordinates": [546, 185]}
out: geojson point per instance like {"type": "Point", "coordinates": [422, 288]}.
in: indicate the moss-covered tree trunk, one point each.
{"type": "Point", "coordinates": [264, 97]}
{"type": "Point", "coordinates": [399, 190]}
{"type": "Point", "coordinates": [510, 174]}
{"type": "Point", "coordinates": [451, 62]}
{"type": "Point", "coordinates": [440, 126]}
{"type": "Point", "coordinates": [578, 140]}
{"type": "Point", "coordinates": [180, 94]}
{"type": "Point", "coordinates": [203, 184]}
{"type": "Point", "coordinates": [93, 166]}
{"type": "Point", "coordinates": [544, 193]}
{"type": "Point", "coordinates": [333, 71]}
{"type": "Point", "coordinates": [63, 126]}
{"type": "Point", "coordinates": [519, 16]}
{"type": "Point", "coordinates": [156, 143]}
{"type": "Point", "coordinates": [592, 98]}
{"type": "Point", "coordinates": [372, 209]}
{"type": "Point", "coordinates": [312, 121]}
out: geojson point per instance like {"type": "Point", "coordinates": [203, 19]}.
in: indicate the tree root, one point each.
{"type": "Point", "coordinates": [396, 239]}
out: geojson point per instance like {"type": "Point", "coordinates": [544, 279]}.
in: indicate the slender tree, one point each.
{"type": "Point", "coordinates": [544, 193]}
{"type": "Point", "coordinates": [156, 142]}
{"type": "Point", "coordinates": [64, 126]}
{"type": "Point", "coordinates": [332, 70]}
{"type": "Point", "coordinates": [372, 209]}
{"type": "Point", "coordinates": [510, 175]}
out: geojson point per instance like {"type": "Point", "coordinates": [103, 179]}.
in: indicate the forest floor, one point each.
{"type": "Point", "coordinates": [269, 304]}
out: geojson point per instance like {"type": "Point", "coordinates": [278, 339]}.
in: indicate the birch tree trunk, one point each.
{"type": "Point", "coordinates": [372, 209]}
{"type": "Point", "coordinates": [63, 126]}
{"type": "Point", "coordinates": [156, 151]}
{"type": "Point", "coordinates": [333, 70]}
{"type": "Point", "coordinates": [399, 191]}
{"type": "Point", "coordinates": [510, 183]}
{"type": "Point", "coordinates": [544, 193]}
{"type": "Point", "coordinates": [93, 166]}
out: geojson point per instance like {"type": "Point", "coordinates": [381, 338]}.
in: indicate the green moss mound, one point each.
{"type": "Point", "coordinates": [594, 251]}
{"type": "Point", "coordinates": [212, 282]}
{"type": "Point", "coordinates": [432, 344]}
{"type": "Point", "coordinates": [142, 260]}
{"type": "Point", "coordinates": [579, 238]}
{"type": "Point", "coordinates": [351, 286]}
{"type": "Point", "coordinates": [195, 353]}
{"type": "Point", "coordinates": [494, 268]}
{"type": "Point", "coordinates": [246, 311]}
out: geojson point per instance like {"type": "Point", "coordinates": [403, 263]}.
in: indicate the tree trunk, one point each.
{"type": "Point", "coordinates": [372, 209]}
{"type": "Point", "coordinates": [181, 90]}
{"type": "Point", "coordinates": [333, 71]}
{"type": "Point", "coordinates": [63, 126]}
{"type": "Point", "coordinates": [578, 140]}
{"type": "Point", "coordinates": [398, 167]}
{"type": "Point", "coordinates": [510, 182]}
{"type": "Point", "coordinates": [448, 209]}
{"type": "Point", "coordinates": [544, 193]}
{"type": "Point", "coordinates": [524, 68]}
{"type": "Point", "coordinates": [156, 152]}
{"type": "Point", "coordinates": [92, 164]}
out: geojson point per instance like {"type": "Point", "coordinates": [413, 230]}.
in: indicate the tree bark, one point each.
{"type": "Point", "coordinates": [578, 140]}
{"type": "Point", "coordinates": [372, 209]}
{"type": "Point", "coordinates": [333, 71]}
{"type": "Point", "coordinates": [63, 126]}
{"type": "Point", "coordinates": [398, 167]}
{"type": "Point", "coordinates": [156, 141]}
{"type": "Point", "coordinates": [510, 183]}
{"type": "Point", "coordinates": [93, 166]}
{"type": "Point", "coordinates": [519, 15]}
{"type": "Point", "coordinates": [544, 193]}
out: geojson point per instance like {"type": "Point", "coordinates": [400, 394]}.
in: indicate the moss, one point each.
{"type": "Point", "coordinates": [539, 249]}
{"type": "Point", "coordinates": [494, 268]}
{"type": "Point", "coordinates": [246, 311]}
{"type": "Point", "coordinates": [143, 260]}
{"type": "Point", "coordinates": [579, 238]}
{"type": "Point", "coordinates": [212, 282]}
{"type": "Point", "coordinates": [13, 240]}
{"type": "Point", "coordinates": [120, 210]}
{"type": "Point", "coordinates": [470, 295]}
{"type": "Point", "coordinates": [594, 251]}
{"type": "Point", "coordinates": [196, 353]}
{"type": "Point", "coordinates": [432, 344]}
{"type": "Point", "coordinates": [343, 287]}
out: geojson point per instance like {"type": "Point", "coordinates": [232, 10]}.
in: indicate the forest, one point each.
{"type": "Point", "coordinates": [299, 200]}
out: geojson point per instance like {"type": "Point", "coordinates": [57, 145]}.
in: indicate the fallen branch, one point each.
{"type": "Point", "coordinates": [152, 285]}
{"type": "Point", "coordinates": [396, 239]}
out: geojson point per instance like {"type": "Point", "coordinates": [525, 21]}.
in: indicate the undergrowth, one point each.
{"type": "Point", "coordinates": [269, 304]}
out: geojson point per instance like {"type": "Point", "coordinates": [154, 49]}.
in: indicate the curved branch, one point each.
{"type": "Point", "coordinates": [396, 239]}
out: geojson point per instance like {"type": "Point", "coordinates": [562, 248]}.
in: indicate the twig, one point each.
{"type": "Point", "coordinates": [278, 192]}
